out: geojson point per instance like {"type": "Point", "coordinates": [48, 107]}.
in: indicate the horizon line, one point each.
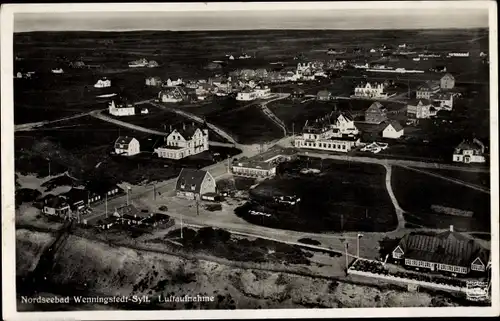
{"type": "Point", "coordinates": [257, 29]}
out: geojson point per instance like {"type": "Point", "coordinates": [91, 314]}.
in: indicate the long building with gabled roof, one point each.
{"type": "Point", "coordinates": [449, 252]}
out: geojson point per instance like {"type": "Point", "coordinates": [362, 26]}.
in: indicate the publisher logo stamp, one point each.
{"type": "Point", "coordinates": [477, 291]}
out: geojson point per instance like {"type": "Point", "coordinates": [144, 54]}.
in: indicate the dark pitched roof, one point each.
{"type": "Point", "coordinates": [124, 140]}
{"type": "Point", "coordinates": [186, 130]}
{"type": "Point", "coordinates": [376, 106]}
{"type": "Point", "coordinates": [101, 187]}
{"type": "Point", "coordinates": [428, 86]}
{"type": "Point", "coordinates": [450, 248]}
{"type": "Point", "coordinates": [77, 194]}
{"type": "Point", "coordinates": [130, 211]}
{"type": "Point", "coordinates": [448, 75]}
{"type": "Point", "coordinates": [188, 178]}
{"type": "Point", "coordinates": [55, 202]}
{"type": "Point", "coordinates": [470, 145]}
{"type": "Point", "coordinates": [395, 124]}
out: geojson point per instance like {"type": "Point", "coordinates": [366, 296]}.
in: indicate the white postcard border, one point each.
{"type": "Point", "coordinates": [8, 229]}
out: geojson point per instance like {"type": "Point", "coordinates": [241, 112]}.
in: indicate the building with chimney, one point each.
{"type": "Point", "coordinates": [183, 141]}
{"type": "Point", "coordinates": [469, 151]}
{"type": "Point", "coordinates": [121, 109]}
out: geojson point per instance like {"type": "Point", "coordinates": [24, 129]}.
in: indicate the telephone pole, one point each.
{"type": "Point", "coordinates": [197, 205]}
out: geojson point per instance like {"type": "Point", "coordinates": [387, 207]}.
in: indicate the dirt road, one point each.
{"type": "Point", "coordinates": [399, 162]}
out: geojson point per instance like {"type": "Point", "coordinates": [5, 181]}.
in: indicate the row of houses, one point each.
{"type": "Point", "coordinates": [129, 215]}
{"type": "Point", "coordinates": [181, 141]}
{"type": "Point", "coordinates": [77, 200]}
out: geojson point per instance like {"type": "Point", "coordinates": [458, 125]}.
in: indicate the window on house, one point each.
{"type": "Point", "coordinates": [193, 186]}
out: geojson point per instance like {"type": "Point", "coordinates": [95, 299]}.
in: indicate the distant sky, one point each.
{"type": "Point", "coordinates": [444, 16]}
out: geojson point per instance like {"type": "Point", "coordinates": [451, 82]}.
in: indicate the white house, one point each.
{"type": "Point", "coordinates": [57, 71]}
{"type": "Point", "coordinates": [194, 183]}
{"type": "Point", "coordinates": [264, 92]}
{"type": "Point", "coordinates": [103, 83]}
{"type": "Point", "coordinates": [345, 125]}
{"type": "Point", "coordinates": [469, 152]}
{"type": "Point", "coordinates": [127, 146]}
{"type": "Point", "coordinates": [420, 110]}
{"type": "Point", "coordinates": [369, 90]}
{"type": "Point", "coordinates": [443, 100]}
{"type": "Point", "coordinates": [184, 141]}
{"type": "Point", "coordinates": [393, 130]}
{"type": "Point", "coordinates": [121, 109]}
{"type": "Point", "coordinates": [246, 95]}
{"type": "Point", "coordinates": [172, 95]}
{"type": "Point", "coordinates": [57, 206]}
{"type": "Point", "coordinates": [322, 136]}
{"type": "Point", "coordinates": [153, 81]}
{"type": "Point", "coordinates": [173, 83]}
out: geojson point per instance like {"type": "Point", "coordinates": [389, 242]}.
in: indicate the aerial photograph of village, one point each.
{"type": "Point", "coordinates": [252, 169]}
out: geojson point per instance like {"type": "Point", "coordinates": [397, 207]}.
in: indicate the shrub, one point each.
{"type": "Point", "coordinates": [309, 241]}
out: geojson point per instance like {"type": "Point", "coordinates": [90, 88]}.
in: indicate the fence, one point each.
{"type": "Point", "coordinates": [410, 281]}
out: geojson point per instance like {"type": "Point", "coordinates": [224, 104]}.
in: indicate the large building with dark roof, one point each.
{"type": "Point", "coordinates": [449, 252]}
{"type": "Point", "coordinates": [376, 113]}
{"type": "Point", "coordinates": [336, 135]}
{"type": "Point", "coordinates": [183, 141]}
{"type": "Point", "coordinates": [193, 183]}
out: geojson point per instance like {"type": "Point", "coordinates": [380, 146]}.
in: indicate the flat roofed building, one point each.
{"type": "Point", "coordinates": [263, 165]}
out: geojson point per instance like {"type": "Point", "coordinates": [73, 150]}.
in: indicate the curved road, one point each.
{"type": "Point", "coordinates": [397, 208]}
{"type": "Point", "coordinates": [197, 119]}
{"type": "Point", "coordinates": [399, 162]}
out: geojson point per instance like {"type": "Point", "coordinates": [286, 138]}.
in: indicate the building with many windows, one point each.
{"type": "Point", "coordinates": [448, 252]}
{"type": "Point", "coordinates": [428, 89]}
{"type": "Point", "coordinates": [368, 90]}
{"type": "Point", "coordinates": [469, 152]}
{"type": "Point", "coordinates": [321, 135]}
{"type": "Point", "coordinates": [421, 110]}
{"type": "Point", "coordinates": [184, 141]}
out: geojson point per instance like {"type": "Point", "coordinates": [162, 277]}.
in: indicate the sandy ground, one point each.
{"type": "Point", "coordinates": [32, 216]}
{"type": "Point", "coordinates": [100, 268]}
{"type": "Point", "coordinates": [29, 247]}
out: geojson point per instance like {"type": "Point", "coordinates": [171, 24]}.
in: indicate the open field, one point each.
{"type": "Point", "coordinates": [82, 147]}
{"type": "Point", "coordinates": [161, 120]}
{"type": "Point", "coordinates": [248, 126]}
{"type": "Point", "coordinates": [343, 197]}
{"type": "Point", "coordinates": [426, 191]}
{"type": "Point", "coordinates": [479, 179]}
